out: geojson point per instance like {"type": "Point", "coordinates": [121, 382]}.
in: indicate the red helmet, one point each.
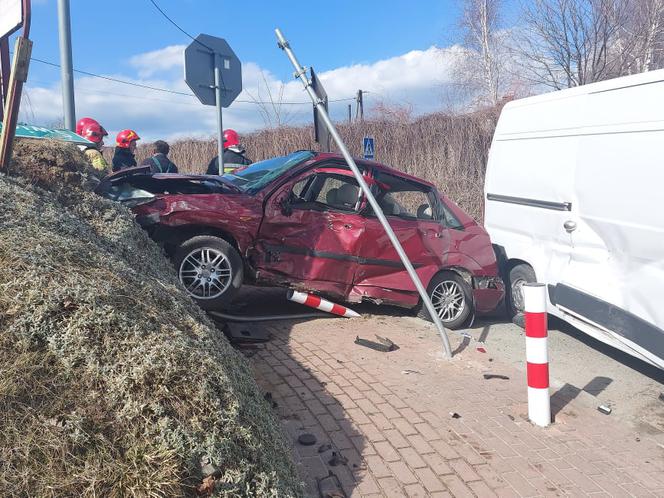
{"type": "Point", "coordinates": [82, 123]}
{"type": "Point", "coordinates": [125, 137]}
{"type": "Point", "coordinates": [231, 138]}
{"type": "Point", "coordinates": [93, 131]}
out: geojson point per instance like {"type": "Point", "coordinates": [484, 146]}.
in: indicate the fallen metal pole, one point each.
{"type": "Point", "coordinates": [301, 73]}
{"type": "Point", "coordinates": [267, 318]}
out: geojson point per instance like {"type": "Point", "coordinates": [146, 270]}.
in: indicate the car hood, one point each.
{"type": "Point", "coordinates": [140, 183]}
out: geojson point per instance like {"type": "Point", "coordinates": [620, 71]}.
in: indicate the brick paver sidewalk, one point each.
{"type": "Point", "coordinates": [389, 414]}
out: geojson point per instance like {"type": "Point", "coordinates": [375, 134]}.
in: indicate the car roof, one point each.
{"type": "Point", "coordinates": [326, 156]}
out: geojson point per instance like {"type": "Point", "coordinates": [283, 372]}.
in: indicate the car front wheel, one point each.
{"type": "Point", "coordinates": [452, 299]}
{"type": "Point", "coordinates": [210, 269]}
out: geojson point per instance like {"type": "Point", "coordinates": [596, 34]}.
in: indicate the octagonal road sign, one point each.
{"type": "Point", "coordinates": [199, 63]}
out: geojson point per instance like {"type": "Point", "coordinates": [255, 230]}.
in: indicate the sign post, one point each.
{"type": "Point", "coordinates": [369, 149]}
{"type": "Point", "coordinates": [214, 74]}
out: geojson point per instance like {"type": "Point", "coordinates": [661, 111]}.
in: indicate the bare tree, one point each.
{"type": "Point", "coordinates": [480, 25]}
{"type": "Point", "coordinates": [566, 43]}
{"type": "Point", "coordinates": [271, 106]}
{"type": "Point", "coordinates": [641, 44]}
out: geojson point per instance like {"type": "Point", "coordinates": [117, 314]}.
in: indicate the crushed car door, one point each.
{"type": "Point", "coordinates": [311, 230]}
{"type": "Point", "coordinates": [414, 213]}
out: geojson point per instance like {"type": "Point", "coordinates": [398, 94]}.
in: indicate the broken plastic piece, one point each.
{"type": "Point", "coordinates": [306, 439]}
{"type": "Point", "coordinates": [604, 409]}
{"type": "Point", "coordinates": [337, 459]}
{"type": "Point", "coordinates": [324, 447]}
{"type": "Point", "coordinates": [330, 487]}
{"type": "Point", "coordinates": [408, 371]}
{"type": "Point", "coordinates": [455, 415]}
{"type": "Point", "coordinates": [384, 346]}
{"type": "Point", "coordinates": [495, 376]}
{"type": "Point", "coordinates": [481, 349]}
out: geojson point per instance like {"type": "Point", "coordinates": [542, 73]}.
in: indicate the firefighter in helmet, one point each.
{"type": "Point", "coordinates": [125, 146]}
{"type": "Point", "coordinates": [233, 155]}
{"type": "Point", "coordinates": [91, 130]}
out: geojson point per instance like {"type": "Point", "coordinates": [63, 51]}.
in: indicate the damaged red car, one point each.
{"type": "Point", "coordinates": [301, 221]}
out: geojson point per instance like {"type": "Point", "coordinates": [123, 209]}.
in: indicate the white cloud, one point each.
{"type": "Point", "coordinates": [151, 63]}
{"type": "Point", "coordinates": [416, 78]}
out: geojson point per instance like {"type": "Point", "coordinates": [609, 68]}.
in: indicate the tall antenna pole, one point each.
{"type": "Point", "coordinates": [66, 69]}
{"type": "Point", "coordinates": [301, 73]}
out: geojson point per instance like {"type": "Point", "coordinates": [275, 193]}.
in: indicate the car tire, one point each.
{"type": "Point", "coordinates": [518, 275]}
{"type": "Point", "coordinates": [210, 269]}
{"type": "Point", "coordinates": [449, 285]}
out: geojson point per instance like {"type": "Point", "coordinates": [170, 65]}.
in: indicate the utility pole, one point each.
{"type": "Point", "coordinates": [66, 69]}
{"type": "Point", "coordinates": [359, 110]}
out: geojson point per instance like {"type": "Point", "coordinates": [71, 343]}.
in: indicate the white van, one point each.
{"type": "Point", "coordinates": [573, 190]}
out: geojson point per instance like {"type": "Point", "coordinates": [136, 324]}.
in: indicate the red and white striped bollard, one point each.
{"type": "Point", "coordinates": [321, 304]}
{"type": "Point", "coordinates": [537, 356]}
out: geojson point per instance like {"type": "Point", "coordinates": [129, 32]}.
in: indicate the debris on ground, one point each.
{"type": "Point", "coordinates": [244, 334]}
{"type": "Point", "coordinates": [480, 349]}
{"type": "Point", "coordinates": [337, 459]}
{"type": "Point", "coordinates": [324, 447]}
{"type": "Point", "coordinates": [606, 410]}
{"type": "Point", "coordinates": [207, 487]}
{"type": "Point", "coordinates": [661, 397]}
{"type": "Point", "coordinates": [268, 397]}
{"type": "Point", "coordinates": [455, 415]}
{"type": "Point", "coordinates": [408, 372]}
{"type": "Point", "coordinates": [384, 345]}
{"type": "Point", "coordinates": [99, 335]}
{"type": "Point", "coordinates": [306, 439]}
{"type": "Point", "coordinates": [330, 487]}
{"type": "Point", "coordinates": [495, 376]}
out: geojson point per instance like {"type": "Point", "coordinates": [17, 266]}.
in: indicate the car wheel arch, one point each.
{"type": "Point", "coordinates": [175, 236]}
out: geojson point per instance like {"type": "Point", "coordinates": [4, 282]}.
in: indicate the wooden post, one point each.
{"type": "Point", "coordinates": [19, 75]}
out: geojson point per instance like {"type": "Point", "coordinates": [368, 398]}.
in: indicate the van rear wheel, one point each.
{"type": "Point", "coordinates": [519, 275]}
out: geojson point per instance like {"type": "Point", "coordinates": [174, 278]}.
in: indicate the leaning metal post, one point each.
{"type": "Point", "coordinates": [300, 72]}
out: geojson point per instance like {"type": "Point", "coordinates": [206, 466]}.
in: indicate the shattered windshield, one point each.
{"type": "Point", "coordinates": [256, 176]}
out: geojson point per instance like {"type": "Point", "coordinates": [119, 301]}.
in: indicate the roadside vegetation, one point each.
{"type": "Point", "coordinates": [448, 150]}
{"type": "Point", "coordinates": [112, 381]}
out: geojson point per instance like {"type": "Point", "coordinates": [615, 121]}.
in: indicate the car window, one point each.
{"type": "Point", "coordinates": [451, 221]}
{"type": "Point", "coordinates": [255, 177]}
{"type": "Point", "coordinates": [326, 190]}
{"type": "Point", "coordinates": [405, 199]}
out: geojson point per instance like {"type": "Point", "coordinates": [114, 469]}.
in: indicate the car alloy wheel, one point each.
{"type": "Point", "coordinates": [206, 273]}
{"type": "Point", "coordinates": [448, 300]}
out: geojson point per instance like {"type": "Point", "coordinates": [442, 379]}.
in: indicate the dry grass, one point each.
{"type": "Point", "coordinates": [112, 381]}
{"type": "Point", "coordinates": [448, 150]}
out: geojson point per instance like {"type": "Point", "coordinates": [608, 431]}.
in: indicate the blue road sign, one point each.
{"type": "Point", "coordinates": [369, 150]}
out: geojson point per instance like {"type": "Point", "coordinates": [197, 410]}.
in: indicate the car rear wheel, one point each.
{"type": "Point", "coordinates": [519, 275]}
{"type": "Point", "coordinates": [452, 299]}
{"type": "Point", "coordinates": [210, 269]}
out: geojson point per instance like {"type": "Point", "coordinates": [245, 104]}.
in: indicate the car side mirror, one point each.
{"type": "Point", "coordinates": [285, 203]}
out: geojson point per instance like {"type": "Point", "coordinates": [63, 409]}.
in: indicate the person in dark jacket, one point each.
{"type": "Point", "coordinates": [233, 155]}
{"type": "Point", "coordinates": [159, 161]}
{"type": "Point", "coordinates": [125, 144]}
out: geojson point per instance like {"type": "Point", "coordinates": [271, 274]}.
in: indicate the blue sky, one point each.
{"type": "Point", "coordinates": [385, 47]}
